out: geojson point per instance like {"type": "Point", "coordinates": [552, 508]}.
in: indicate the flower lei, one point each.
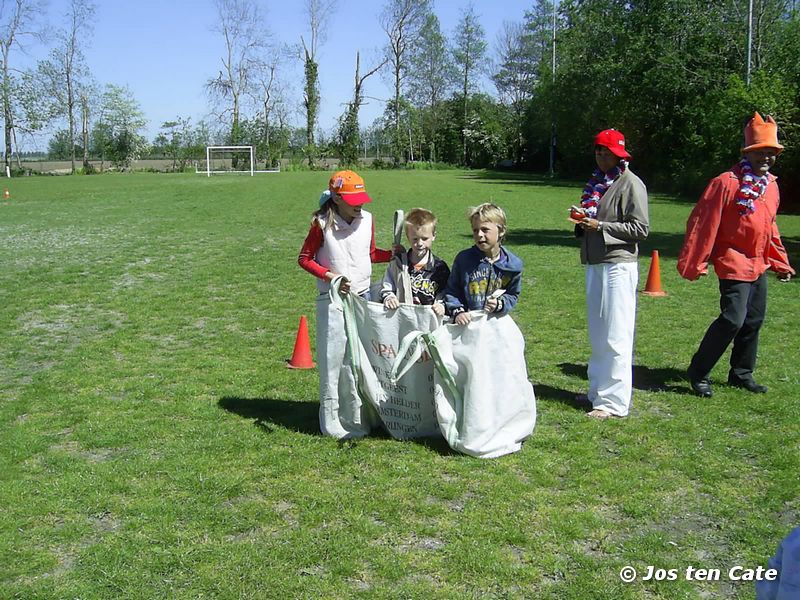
{"type": "Point", "coordinates": [751, 188]}
{"type": "Point", "coordinates": [597, 186]}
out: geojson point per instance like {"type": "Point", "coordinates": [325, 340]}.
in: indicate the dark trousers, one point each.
{"type": "Point", "coordinates": [743, 306]}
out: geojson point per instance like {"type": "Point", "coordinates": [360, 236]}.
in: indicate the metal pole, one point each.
{"type": "Point", "coordinates": [553, 122]}
{"type": "Point", "coordinates": [749, 40]}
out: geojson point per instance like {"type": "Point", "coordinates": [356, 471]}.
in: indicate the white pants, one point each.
{"type": "Point", "coordinates": [611, 308]}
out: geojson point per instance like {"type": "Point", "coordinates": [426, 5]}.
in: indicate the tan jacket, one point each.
{"type": "Point", "coordinates": [623, 212]}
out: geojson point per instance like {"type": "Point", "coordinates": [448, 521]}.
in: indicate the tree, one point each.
{"type": "Point", "coordinates": [66, 66]}
{"type": "Point", "coordinates": [270, 102]}
{"type": "Point", "coordinates": [468, 52]}
{"type": "Point", "coordinates": [318, 12]}
{"type": "Point", "coordinates": [118, 131]}
{"type": "Point", "coordinates": [349, 137]}
{"type": "Point", "coordinates": [58, 148]}
{"type": "Point", "coordinates": [87, 98]}
{"type": "Point", "coordinates": [175, 141]}
{"type": "Point", "coordinates": [431, 76]}
{"type": "Point", "coordinates": [401, 20]}
{"type": "Point", "coordinates": [242, 28]}
{"type": "Point", "coordinates": [514, 79]}
{"type": "Point", "coordinates": [524, 53]}
{"type": "Point", "coordinates": [18, 23]}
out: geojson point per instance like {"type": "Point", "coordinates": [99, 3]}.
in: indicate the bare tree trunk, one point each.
{"type": "Point", "coordinates": [311, 102]}
{"type": "Point", "coordinates": [85, 129]}
{"type": "Point", "coordinates": [7, 117]}
{"type": "Point", "coordinates": [19, 161]}
{"type": "Point", "coordinates": [464, 130]}
{"type": "Point", "coordinates": [318, 13]}
{"type": "Point", "coordinates": [71, 123]}
{"type": "Point", "coordinates": [267, 114]}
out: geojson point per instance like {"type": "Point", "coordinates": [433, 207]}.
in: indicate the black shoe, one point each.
{"type": "Point", "coordinates": [748, 384]}
{"type": "Point", "coordinates": [702, 387]}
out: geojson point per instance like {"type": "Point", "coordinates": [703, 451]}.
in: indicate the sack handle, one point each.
{"type": "Point", "coordinates": [409, 353]}
{"type": "Point", "coordinates": [399, 218]}
{"type": "Point", "coordinates": [404, 292]}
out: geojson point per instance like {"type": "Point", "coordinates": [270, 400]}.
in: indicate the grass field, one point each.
{"type": "Point", "coordinates": [153, 444]}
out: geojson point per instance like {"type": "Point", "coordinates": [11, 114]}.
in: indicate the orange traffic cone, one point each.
{"type": "Point", "coordinates": [6, 194]}
{"type": "Point", "coordinates": [301, 357]}
{"type": "Point", "coordinates": [653, 286]}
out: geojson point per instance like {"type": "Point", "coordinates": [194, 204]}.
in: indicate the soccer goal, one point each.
{"type": "Point", "coordinates": [230, 159]}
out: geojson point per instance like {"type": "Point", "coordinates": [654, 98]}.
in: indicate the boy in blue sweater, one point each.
{"type": "Point", "coordinates": [483, 269]}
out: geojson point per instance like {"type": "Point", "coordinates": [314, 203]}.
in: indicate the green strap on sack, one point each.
{"type": "Point", "coordinates": [410, 351]}
{"type": "Point", "coordinates": [345, 302]}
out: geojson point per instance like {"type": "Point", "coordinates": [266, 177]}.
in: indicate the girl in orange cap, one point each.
{"type": "Point", "coordinates": [733, 226]}
{"type": "Point", "coordinates": [341, 241]}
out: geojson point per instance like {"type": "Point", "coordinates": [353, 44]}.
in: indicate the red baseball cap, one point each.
{"type": "Point", "coordinates": [613, 140]}
{"type": "Point", "coordinates": [350, 186]}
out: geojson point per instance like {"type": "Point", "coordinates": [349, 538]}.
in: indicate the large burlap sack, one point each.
{"type": "Point", "coordinates": [485, 404]}
{"type": "Point", "coordinates": [341, 413]}
{"type": "Point", "coordinates": [372, 338]}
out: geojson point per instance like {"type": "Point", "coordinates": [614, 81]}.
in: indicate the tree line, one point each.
{"type": "Point", "coordinates": [678, 77]}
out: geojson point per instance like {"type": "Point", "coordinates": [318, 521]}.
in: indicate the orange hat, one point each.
{"type": "Point", "coordinates": [350, 186]}
{"type": "Point", "coordinates": [759, 133]}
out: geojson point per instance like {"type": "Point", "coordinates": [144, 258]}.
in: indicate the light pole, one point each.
{"type": "Point", "coordinates": [749, 40]}
{"type": "Point", "coordinates": [553, 122]}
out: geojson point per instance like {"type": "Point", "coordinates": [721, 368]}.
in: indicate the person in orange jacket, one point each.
{"type": "Point", "coordinates": [733, 226]}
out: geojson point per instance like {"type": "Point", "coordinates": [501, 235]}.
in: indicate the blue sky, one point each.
{"type": "Point", "coordinates": [165, 50]}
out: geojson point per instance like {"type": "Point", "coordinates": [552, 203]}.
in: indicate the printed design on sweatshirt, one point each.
{"type": "Point", "coordinates": [424, 289]}
{"type": "Point", "coordinates": [484, 281]}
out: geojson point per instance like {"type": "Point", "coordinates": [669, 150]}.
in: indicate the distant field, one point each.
{"type": "Point", "coordinates": [153, 444]}
{"type": "Point", "coordinates": [63, 167]}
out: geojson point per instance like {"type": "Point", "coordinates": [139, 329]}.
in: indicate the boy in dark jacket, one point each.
{"type": "Point", "coordinates": [424, 273]}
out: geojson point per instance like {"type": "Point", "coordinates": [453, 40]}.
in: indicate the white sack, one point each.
{"type": "Point", "coordinates": [485, 403]}
{"type": "Point", "coordinates": [372, 333]}
{"type": "Point", "coordinates": [341, 414]}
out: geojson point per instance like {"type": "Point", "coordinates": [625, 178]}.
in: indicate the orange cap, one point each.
{"type": "Point", "coordinates": [759, 133]}
{"type": "Point", "coordinates": [350, 186]}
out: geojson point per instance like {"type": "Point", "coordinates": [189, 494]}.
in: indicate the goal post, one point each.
{"type": "Point", "coordinates": [211, 151]}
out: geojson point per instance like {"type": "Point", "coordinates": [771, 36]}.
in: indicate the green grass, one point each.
{"type": "Point", "coordinates": [153, 444]}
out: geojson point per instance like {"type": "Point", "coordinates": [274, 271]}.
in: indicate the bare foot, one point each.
{"type": "Point", "coordinates": [599, 414]}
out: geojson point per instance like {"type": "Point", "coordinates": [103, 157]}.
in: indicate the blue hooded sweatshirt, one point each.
{"type": "Point", "coordinates": [473, 278]}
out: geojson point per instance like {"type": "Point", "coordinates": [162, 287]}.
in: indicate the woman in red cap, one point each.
{"type": "Point", "coordinates": [733, 226]}
{"type": "Point", "coordinates": [612, 219]}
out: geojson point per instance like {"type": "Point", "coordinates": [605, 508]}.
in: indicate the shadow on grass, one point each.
{"type": "Point", "coordinates": [521, 178]}
{"type": "Point", "coordinates": [546, 392]}
{"type": "Point", "coordinates": [302, 417]}
{"type": "Point", "coordinates": [667, 244]}
{"type": "Point", "coordinates": [792, 245]}
{"type": "Point", "coordinates": [644, 378]}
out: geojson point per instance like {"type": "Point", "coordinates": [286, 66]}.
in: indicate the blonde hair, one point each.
{"type": "Point", "coordinates": [420, 217]}
{"type": "Point", "coordinates": [326, 212]}
{"type": "Point", "coordinates": [491, 213]}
